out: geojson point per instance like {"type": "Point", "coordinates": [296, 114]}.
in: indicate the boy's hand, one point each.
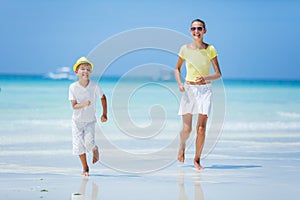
{"type": "Point", "coordinates": [103, 118]}
{"type": "Point", "coordinates": [87, 103]}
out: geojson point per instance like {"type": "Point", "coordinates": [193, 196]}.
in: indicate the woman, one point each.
{"type": "Point", "coordinates": [196, 99]}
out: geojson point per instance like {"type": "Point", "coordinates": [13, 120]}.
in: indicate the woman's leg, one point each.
{"type": "Point", "coordinates": [184, 135]}
{"type": "Point", "coordinates": [201, 129]}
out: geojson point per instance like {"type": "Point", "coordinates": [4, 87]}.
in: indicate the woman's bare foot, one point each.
{"type": "Point", "coordinates": [85, 173]}
{"type": "Point", "coordinates": [197, 164]}
{"type": "Point", "coordinates": [95, 155]}
{"type": "Point", "coordinates": [181, 155]}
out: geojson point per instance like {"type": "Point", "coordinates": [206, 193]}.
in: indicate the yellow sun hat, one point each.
{"type": "Point", "coordinates": [82, 60]}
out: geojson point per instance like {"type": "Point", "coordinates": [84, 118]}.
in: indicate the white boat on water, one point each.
{"type": "Point", "coordinates": [62, 73]}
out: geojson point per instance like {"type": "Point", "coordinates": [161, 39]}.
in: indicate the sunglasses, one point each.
{"type": "Point", "coordinates": [198, 28]}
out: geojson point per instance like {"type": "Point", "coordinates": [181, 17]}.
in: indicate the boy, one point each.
{"type": "Point", "coordinates": [83, 95]}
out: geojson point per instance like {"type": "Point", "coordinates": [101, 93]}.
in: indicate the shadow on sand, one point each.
{"type": "Point", "coordinates": [232, 166]}
{"type": "Point", "coordinates": [226, 166]}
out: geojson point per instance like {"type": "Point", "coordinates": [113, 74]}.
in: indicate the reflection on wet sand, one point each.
{"type": "Point", "coordinates": [80, 195]}
{"type": "Point", "coordinates": [199, 195]}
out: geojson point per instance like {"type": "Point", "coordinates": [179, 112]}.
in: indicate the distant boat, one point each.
{"type": "Point", "coordinates": [63, 73]}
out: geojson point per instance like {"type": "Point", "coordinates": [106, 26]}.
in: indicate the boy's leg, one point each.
{"type": "Point", "coordinates": [95, 154]}
{"type": "Point", "coordinates": [90, 141]}
{"type": "Point", "coordinates": [78, 145]}
{"type": "Point", "coordinates": [84, 164]}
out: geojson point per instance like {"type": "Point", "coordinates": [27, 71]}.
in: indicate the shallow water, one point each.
{"type": "Point", "coordinates": [255, 154]}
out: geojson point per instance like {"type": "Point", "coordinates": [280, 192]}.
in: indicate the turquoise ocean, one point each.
{"type": "Point", "coordinates": [261, 120]}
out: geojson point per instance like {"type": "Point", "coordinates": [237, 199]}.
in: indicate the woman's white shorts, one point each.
{"type": "Point", "coordinates": [196, 99]}
{"type": "Point", "coordinates": [83, 137]}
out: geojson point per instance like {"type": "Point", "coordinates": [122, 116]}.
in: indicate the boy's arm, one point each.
{"type": "Point", "coordinates": [76, 105]}
{"type": "Point", "coordinates": [104, 108]}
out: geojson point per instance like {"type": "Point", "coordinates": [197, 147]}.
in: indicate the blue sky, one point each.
{"type": "Point", "coordinates": [254, 39]}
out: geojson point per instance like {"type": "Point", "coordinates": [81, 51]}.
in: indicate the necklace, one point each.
{"type": "Point", "coordinates": [195, 46]}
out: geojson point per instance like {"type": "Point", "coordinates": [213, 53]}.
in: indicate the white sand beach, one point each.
{"type": "Point", "coordinates": [231, 177]}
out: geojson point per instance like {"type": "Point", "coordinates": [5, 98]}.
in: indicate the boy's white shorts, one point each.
{"type": "Point", "coordinates": [83, 137]}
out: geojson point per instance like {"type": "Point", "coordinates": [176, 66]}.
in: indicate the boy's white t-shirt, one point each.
{"type": "Point", "coordinates": [82, 94]}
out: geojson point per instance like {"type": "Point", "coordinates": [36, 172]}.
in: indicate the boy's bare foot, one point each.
{"type": "Point", "coordinates": [95, 155]}
{"type": "Point", "coordinates": [180, 157]}
{"type": "Point", "coordinates": [85, 171]}
{"type": "Point", "coordinates": [197, 164]}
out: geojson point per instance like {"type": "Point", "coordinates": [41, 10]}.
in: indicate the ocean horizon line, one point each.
{"type": "Point", "coordinates": [44, 76]}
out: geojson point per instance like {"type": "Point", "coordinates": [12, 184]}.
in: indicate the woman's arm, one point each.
{"type": "Point", "coordinates": [213, 76]}
{"type": "Point", "coordinates": [177, 73]}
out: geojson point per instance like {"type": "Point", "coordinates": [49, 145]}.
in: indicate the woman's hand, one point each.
{"type": "Point", "coordinates": [181, 88]}
{"type": "Point", "coordinates": [200, 80]}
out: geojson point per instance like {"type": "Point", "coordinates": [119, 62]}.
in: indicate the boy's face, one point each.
{"type": "Point", "coordinates": [84, 70]}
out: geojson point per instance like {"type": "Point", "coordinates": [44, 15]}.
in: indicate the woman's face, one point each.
{"type": "Point", "coordinates": [197, 30]}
